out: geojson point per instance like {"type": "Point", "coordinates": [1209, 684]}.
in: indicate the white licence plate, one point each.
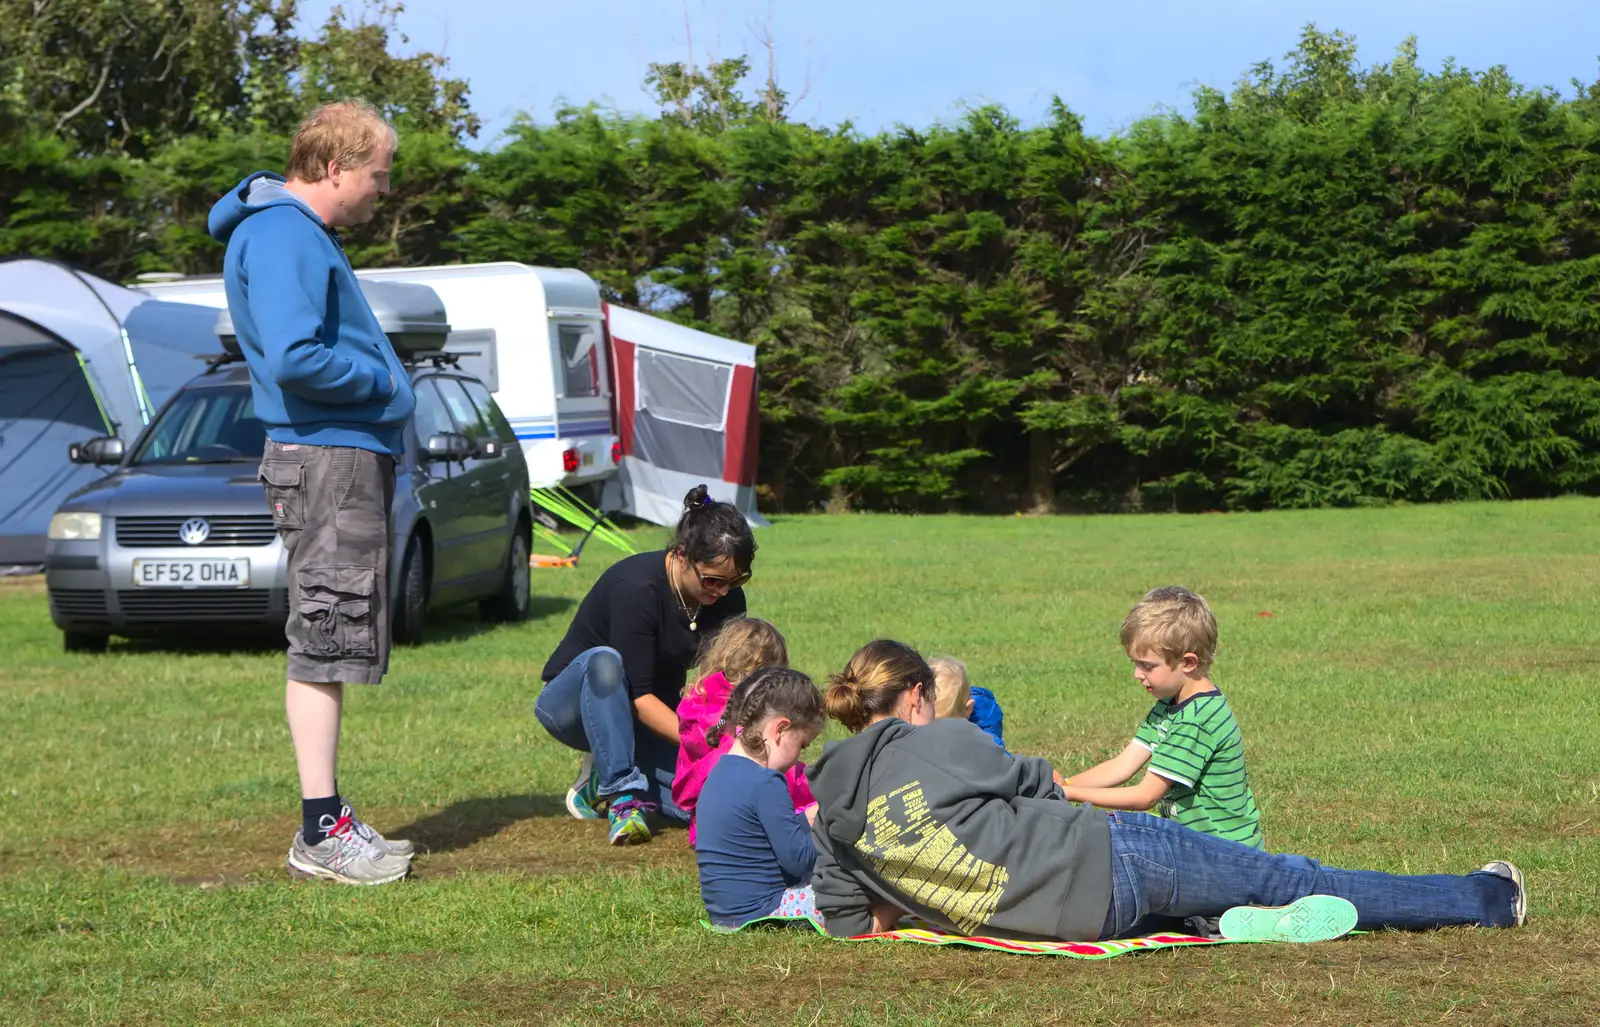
{"type": "Point", "coordinates": [191, 573]}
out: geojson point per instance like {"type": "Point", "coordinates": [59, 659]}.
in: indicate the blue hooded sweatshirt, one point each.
{"type": "Point", "coordinates": [321, 369]}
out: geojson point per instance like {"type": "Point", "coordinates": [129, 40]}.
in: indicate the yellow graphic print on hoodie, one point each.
{"type": "Point", "coordinates": [923, 859]}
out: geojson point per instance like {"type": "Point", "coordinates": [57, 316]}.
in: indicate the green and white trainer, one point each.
{"type": "Point", "coordinates": [583, 798]}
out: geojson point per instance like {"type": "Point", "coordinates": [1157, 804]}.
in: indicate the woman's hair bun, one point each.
{"type": "Point", "coordinates": [843, 702]}
{"type": "Point", "coordinates": [698, 496]}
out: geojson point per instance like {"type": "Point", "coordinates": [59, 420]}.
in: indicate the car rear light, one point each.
{"type": "Point", "coordinates": [616, 452]}
{"type": "Point", "coordinates": [569, 461]}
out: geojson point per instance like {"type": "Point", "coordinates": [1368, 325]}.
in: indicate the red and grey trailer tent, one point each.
{"type": "Point", "coordinates": [685, 405]}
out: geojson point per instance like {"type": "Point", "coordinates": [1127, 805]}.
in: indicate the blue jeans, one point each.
{"type": "Point", "coordinates": [587, 707]}
{"type": "Point", "coordinates": [1161, 869]}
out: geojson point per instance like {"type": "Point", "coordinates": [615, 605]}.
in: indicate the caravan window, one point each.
{"type": "Point", "coordinates": [478, 355]}
{"type": "Point", "coordinates": [580, 360]}
{"type": "Point", "coordinates": [683, 390]}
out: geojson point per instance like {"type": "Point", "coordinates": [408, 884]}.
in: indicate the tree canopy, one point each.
{"type": "Point", "coordinates": [1329, 285]}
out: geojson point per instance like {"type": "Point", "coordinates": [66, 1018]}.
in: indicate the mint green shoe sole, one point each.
{"type": "Point", "coordinates": [1313, 918]}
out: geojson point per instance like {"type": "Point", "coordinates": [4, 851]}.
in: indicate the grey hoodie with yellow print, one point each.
{"type": "Point", "coordinates": [942, 823]}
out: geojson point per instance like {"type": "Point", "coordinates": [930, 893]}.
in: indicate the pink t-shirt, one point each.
{"type": "Point", "coordinates": [696, 715]}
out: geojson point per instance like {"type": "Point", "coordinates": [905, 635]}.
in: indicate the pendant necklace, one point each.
{"type": "Point", "coordinates": [693, 626]}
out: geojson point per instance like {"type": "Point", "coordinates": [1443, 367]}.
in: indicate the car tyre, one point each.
{"type": "Point", "coordinates": [411, 606]}
{"type": "Point", "coordinates": [84, 642]}
{"type": "Point", "coordinates": [513, 600]}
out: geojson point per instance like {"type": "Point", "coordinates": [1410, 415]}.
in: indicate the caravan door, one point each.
{"type": "Point", "coordinates": [583, 391]}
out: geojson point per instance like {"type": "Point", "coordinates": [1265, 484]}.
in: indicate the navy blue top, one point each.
{"type": "Point", "coordinates": [750, 843]}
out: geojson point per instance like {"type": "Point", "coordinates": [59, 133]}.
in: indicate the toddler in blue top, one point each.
{"type": "Point", "coordinates": [753, 849]}
{"type": "Point", "coordinates": [956, 696]}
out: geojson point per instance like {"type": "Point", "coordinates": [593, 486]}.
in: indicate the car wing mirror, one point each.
{"type": "Point", "coordinates": [99, 451]}
{"type": "Point", "coordinates": [448, 446]}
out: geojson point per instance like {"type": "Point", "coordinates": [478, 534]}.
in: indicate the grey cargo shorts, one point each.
{"type": "Point", "coordinates": [331, 508]}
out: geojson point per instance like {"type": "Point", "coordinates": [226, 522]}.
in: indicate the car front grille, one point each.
{"type": "Point", "coordinates": [209, 604]}
{"type": "Point", "coordinates": [229, 530]}
{"type": "Point", "coordinates": [79, 603]}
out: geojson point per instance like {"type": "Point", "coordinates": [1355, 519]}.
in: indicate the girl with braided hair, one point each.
{"type": "Point", "coordinates": [753, 847]}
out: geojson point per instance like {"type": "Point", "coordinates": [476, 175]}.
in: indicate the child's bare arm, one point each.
{"type": "Point", "coordinates": [1141, 796]}
{"type": "Point", "coordinates": [1117, 770]}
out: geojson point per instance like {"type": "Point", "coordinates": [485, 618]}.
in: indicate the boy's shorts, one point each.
{"type": "Point", "coordinates": [331, 507]}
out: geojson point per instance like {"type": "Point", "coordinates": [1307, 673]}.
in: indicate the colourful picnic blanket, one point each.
{"type": "Point", "coordinates": [1072, 949]}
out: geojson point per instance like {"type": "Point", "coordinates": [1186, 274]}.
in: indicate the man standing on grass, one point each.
{"type": "Point", "coordinates": [335, 400]}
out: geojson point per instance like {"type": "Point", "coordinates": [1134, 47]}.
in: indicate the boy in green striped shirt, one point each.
{"type": "Point", "coordinates": [1190, 740]}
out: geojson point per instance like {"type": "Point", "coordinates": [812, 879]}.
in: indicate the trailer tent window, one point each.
{"type": "Point", "coordinates": [580, 354]}
{"type": "Point", "coordinates": [683, 390]}
{"type": "Point", "coordinates": [681, 409]}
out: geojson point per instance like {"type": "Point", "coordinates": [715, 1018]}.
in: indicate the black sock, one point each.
{"type": "Point", "coordinates": [311, 813]}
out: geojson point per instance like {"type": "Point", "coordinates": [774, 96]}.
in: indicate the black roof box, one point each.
{"type": "Point", "coordinates": [411, 315]}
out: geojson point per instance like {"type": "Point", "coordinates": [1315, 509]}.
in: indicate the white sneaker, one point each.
{"type": "Point", "coordinates": [1508, 870]}
{"type": "Point", "coordinates": [393, 846]}
{"type": "Point", "coordinates": [346, 857]}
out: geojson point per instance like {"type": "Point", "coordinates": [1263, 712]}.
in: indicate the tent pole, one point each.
{"type": "Point", "coordinates": [83, 365]}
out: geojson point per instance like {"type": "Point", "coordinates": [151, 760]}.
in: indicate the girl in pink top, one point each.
{"type": "Point", "coordinates": [737, 650]}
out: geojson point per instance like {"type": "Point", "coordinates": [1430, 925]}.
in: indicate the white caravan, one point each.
{"type": "Point", "coordinates": [534, 335]}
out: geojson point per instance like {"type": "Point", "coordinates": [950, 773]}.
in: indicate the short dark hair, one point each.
{"type": "Point", "coordinates": [710, 529]}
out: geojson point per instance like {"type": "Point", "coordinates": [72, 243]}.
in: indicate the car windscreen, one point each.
{"type": "Point", "coordinates": [207, 425]}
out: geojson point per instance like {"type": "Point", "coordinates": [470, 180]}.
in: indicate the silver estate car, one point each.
{"type": "Point", "coordinates": [177, 538]}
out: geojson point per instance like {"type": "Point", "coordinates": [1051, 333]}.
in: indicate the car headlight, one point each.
{"type": "Point", "coordinates": [75, 527]}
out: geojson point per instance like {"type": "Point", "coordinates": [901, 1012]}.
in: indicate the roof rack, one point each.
{"type": "Point", "coordinates": [438, 357]}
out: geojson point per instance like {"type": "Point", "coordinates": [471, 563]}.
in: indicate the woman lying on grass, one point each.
{"type": "Point", "coordinates": [932, 818]}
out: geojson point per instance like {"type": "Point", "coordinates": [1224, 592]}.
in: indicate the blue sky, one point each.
{"type": "Point", "coordinates": [884, 62]}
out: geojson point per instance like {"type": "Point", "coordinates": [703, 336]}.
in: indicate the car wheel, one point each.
{"type": "Point", "coordinates": [512, 601]}
{"type": "Point", "coordinates": [411, 608]}
{"type": "Point", "coordinates": [84, 642]}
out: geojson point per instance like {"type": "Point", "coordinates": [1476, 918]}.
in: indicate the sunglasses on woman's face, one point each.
{"type": "Point", "coordinates": [718, 583]}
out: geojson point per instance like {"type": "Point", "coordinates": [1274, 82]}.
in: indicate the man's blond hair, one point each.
{"type": "Point", "coordinates": [349, 133]}
{"type": "Point", "coordinates": [1172, 621]}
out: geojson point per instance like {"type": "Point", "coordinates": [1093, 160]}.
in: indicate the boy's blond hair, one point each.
{"type": "Point", "coordinates": [952, 690]}
{"type": "Point", "coordinates": [1172, 621]}
{"type": "Point", "coordinates": [349, 133]}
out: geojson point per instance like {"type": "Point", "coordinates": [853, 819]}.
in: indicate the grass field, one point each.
{"type": "Point", "coordinates": [1415, 685]}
